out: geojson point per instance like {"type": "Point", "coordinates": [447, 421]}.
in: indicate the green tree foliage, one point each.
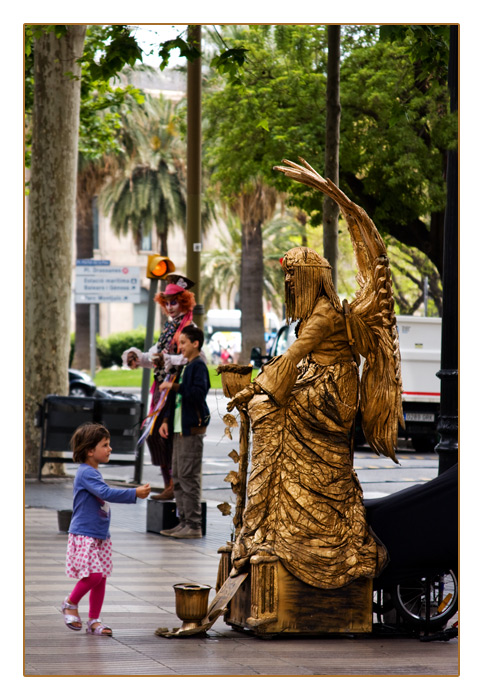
{"type": "Point", "coordinates": [426, 45]}
{"type": "Point", "coordinates": [101, 99]}
{"type": "Point", "coordinates": [395, 128]}
{"type": "Point", "coordinates": [252, 121]}
{"type": "Point", "coordinates": [107, 49]}
{"type": "Point", "coordinates": [414, 277]}
{"type": "Point", "coordinates": [395, 131]}
{"type": "Point", "coordinates": [275, 108]}
{"type": "Point", "coordinates": [220, 266]}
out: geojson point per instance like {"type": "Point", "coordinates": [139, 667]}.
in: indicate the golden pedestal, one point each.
{"type": "Point", "coordinates": [271, 601]}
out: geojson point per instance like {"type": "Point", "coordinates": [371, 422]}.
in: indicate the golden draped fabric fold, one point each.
{"type": "Point", "coordinates": [304, 501]}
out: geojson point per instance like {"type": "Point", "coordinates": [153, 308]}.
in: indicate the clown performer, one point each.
{"type": "Point", "coordinates": [178, 303]}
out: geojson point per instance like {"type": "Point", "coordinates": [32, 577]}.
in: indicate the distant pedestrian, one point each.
{"type": "Point", "coordinates": [89, 544]}
{"type": "Point", "coordinates": [187, 422]}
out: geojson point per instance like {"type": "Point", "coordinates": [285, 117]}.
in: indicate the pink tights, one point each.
{"type": "Point", "coordinates": [96, 584]}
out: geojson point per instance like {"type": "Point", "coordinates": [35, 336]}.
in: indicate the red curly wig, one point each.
{"type": "Point", "coordinates": [186, 301]}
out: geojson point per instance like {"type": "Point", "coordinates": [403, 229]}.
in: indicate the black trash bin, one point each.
{"type": "Point", "coordinates": [122, 417]}
{"type": "Point", "coordinates": [63, 518]}
{"type": "Point", "coordinates": [60, 416]}
{"type": "Point", "coordinates": [63, 414]}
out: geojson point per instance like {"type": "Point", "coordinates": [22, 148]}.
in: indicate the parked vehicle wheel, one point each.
{"type": "Point", "coordinates": [80, 383]}
{"type": "Point", "coordinates": [77, 390]}
{"type": "Point", "coordinates": [427, 602]}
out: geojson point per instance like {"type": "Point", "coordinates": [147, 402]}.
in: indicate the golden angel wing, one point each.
{"type": "Point", "coordinates": [371, 316]}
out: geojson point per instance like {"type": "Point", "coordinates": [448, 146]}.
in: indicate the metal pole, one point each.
{"type": "Point", "coordinates": [332, 140]}
{"type": "Point", "coordinates": [447, 448]}
{"type": "Point", "coordinates": [148, 341]}
{"type": "Point", "coordinates": [193, 214]}
{"type": "Point", "coordinates": [92, 338]}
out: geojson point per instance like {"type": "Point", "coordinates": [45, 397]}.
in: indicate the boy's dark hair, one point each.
{"type": "Point", "coordinates": [85, 438]}
{"type": "Point", "coordinates": [194, 333]}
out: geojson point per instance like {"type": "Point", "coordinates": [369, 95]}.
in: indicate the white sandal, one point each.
{"type": "Point", "coordinates": [70, 619]}
{"type": "Point", "coordinates": [99, 630]}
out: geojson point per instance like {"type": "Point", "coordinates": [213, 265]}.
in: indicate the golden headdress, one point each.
{"type": "Point", "coordinates": [312, 277]}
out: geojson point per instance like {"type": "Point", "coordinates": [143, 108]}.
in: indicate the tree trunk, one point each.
{"type": "Point", "coordinates": [251, 290]}
{"type": "Point", "coordinates": [162, 237]}
{"type": "Point", "coordinates": [50, 232]}
{"type": "Point", "coordinates": [332, 134]}
{"type": "Point", "coordinates": [84, 249]}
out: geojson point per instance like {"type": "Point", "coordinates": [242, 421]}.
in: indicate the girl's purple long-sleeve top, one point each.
{"type": "Point", "coordinates": [91, 513]}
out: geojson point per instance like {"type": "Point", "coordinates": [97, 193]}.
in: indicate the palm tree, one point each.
{"type": "Point", "coordinates": [148, 190]}
{"type": "Point", "coordinates": [221, 267]}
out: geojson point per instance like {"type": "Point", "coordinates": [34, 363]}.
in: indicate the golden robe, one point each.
{"type": "Point", "coordinates": [304, 500]}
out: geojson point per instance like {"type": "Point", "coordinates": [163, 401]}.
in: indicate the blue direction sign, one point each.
{"type": "Point", "coordinates": [91, 261]}
{"type": "Point", "coordinates": [98, 282]}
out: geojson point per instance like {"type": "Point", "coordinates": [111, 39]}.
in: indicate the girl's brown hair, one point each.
{"type": "Point", "coordinates": [85, 438]}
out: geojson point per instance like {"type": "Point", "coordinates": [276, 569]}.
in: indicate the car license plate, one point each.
{"type": "Point", "coordinates": [419, 417]}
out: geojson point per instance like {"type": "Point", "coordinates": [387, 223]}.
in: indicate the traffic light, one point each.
{"type": "Point", "coordinates": [159, 266]}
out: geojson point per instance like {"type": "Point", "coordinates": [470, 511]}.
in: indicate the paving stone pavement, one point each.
{"type": "Point", "coordinates": [140, 598]}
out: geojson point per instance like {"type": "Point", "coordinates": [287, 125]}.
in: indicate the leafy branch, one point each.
{"type": "Point", "coordinates": [229, 62]}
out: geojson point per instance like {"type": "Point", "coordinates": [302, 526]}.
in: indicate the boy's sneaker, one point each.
{"type": "Point", "coordinates": [188, 533]}
{"type": "Point", "coordinates": [170, 533]}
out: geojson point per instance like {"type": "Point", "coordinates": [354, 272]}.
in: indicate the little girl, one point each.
{"type": "Point", "coordinates": [89, 545]}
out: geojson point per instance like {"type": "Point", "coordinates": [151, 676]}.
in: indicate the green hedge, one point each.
{"type": "Point", "coordinates": [110, 349]}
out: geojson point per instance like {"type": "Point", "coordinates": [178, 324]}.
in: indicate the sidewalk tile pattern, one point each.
{"type": "Point", "coordinates": [140, 598]}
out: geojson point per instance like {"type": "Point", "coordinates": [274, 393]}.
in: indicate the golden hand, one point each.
{"type": "Point", "coordinates": [242, 397]}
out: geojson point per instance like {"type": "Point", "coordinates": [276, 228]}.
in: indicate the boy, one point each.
{"type": "Point", "coordinates": [187, 420]}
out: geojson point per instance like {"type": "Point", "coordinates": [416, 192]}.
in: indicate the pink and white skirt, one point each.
{"type": "Point", "coordinates": [88, 555]}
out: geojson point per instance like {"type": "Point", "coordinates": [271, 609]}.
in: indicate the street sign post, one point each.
{"type": "Point", "coordinates": [97, 282]}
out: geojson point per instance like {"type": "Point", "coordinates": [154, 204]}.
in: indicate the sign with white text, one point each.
{"type": "Point", "coordinates": [96, 282]}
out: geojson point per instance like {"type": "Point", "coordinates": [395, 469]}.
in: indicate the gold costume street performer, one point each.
{"type": "Point", "coordinates": [304, 500]}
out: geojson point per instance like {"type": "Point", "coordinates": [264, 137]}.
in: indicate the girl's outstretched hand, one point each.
{"type": "Point", "coordinates": [143, 491]}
